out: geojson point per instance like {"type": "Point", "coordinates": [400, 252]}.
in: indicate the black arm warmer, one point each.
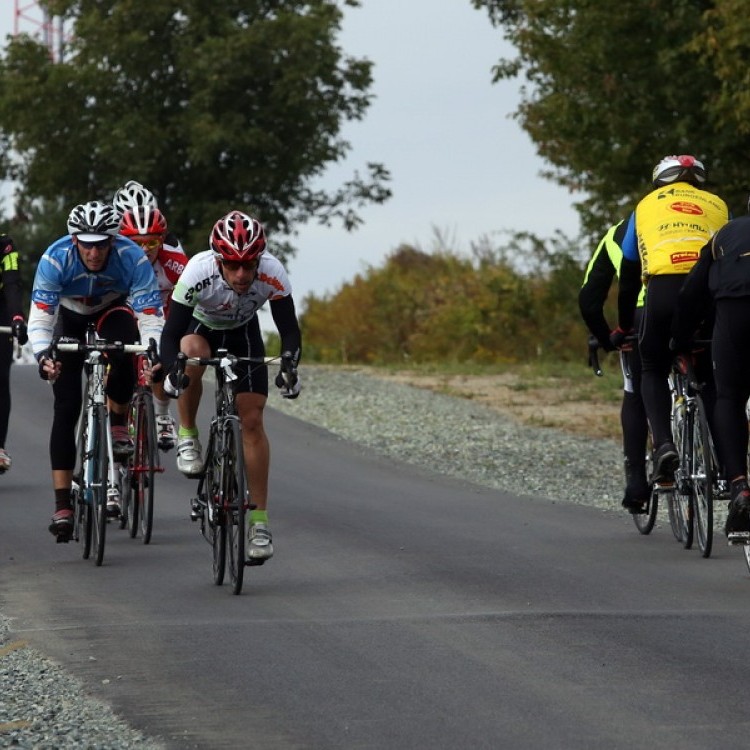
{"type": "Point", "coordinates": [630, 288]}
{"type": "Point", "coordinates": [594, 294]}
{"type": "Point", "coordinates": [285, 319]}
{"type": "Point", "coordinates": [174, 329]}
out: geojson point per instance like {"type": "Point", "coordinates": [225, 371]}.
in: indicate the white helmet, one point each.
{"type": "Point", "coordinates": [683, 168]}
{"type": "Point", "coordinates": [131, 196]}
{"type": "Point", "coordinates": [94, 221]}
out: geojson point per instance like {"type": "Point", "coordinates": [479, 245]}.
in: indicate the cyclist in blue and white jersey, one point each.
{"type": "Point", "coordinates": [92, 274]}
{"type": "Point", "coordinates": [215, 304]}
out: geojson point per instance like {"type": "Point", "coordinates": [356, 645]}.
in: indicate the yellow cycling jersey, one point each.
{"type": "Point", "coordinates": [673, 223]}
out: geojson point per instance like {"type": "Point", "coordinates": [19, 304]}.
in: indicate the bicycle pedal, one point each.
{"type": "Point", "coordinates": [255, 561]}
{"type": "Point", "coordinates": [738, 538]}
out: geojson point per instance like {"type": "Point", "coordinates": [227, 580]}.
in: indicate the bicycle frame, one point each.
{"type": "Point", "coordinates": [96, 473]}
{"type": "Point", "coordinates": [222, 499]}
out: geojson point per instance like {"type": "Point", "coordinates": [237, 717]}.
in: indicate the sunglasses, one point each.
{"type": "Point", "coordinates": [98, 245]}
{"type": "Point", "coordinates": [153, 244]}
{"type": "Point", "coordinates": [235, 265]}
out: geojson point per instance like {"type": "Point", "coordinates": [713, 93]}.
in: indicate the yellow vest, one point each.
{"type": "Point", "coordinates": [673, 223]}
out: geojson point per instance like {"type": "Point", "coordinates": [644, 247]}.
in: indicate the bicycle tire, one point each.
{"type": "Point", "coordinates": [214, 522]}
{"type": "Point", "coordinates": [702, 479]}
{"type": "Point", "coordinates": [81, 509]}
{"type": "Point", "coordinates": [99, 476]}
{"type": "Point", "coordinates": [147, 477]}
{"type": "Point", "coordinates": [644, 522]}
{"type": "Point", "coordinates": [234, 492]}
{"type": "Point", "coordinates": [746, 553]}
{"type": "Point", "coordinates": [679, 501]}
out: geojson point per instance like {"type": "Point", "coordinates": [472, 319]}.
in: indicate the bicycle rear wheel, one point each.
{"type": "Point", "coordinates": [679, 503]}
{"type": "Point", "coordinates": [234, 491]}
{"type": "Point", "coordinates": [644, 522]}
{"type": "Point", "coordinates": [702, 479]}
{"type": "Point", "coordinates": [99, 467]}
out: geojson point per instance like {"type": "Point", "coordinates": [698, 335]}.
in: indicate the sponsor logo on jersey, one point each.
{"type": "Point", "coordinates": [683, 256]}
{"type": "Point", "coordinates": [173, 265]}
{"type": "Point", "coordinates": [193, 290]}
{"type": "Point", "coordinates": [271, 280]}
{"type": "Point", "coordinates": [686, 207]}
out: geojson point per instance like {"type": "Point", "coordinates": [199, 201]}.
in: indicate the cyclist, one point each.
{"type": "Point", "coordinates": [215, 304]}
{"type": "Point", "coordinates": [662, 240]}
{"type": "Point", "coordinates": [132, 195]}
{"type": "Point", "coordinates": [11, 314]}
{"type": "Point", "coordinates": [89, 275]}
{"type": "Point", "coordinates": [721, 279]}
{"type": "Point", "coordinates": [601, 271]}
{"type": "Point", "coordinates": [147, 227]}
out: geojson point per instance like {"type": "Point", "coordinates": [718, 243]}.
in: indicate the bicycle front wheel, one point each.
{"type": "Point", "coordinates": [142, 470]}
{"type": "Point", "coordinates": [702, 479]}
{"type": "Point", "coordinates": [98, 474]}
{"type": "Point", "coordinates": [234, 492]}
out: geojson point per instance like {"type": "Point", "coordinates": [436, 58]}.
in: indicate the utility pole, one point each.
{"type": "Point", "coordinates": [32, 18]}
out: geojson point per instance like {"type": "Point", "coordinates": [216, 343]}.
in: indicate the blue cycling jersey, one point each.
{"type": "Point", "coordinates": [62, 280]}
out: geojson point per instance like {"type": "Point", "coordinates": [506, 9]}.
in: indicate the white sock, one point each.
{"type": "Point", "coordinates": [160, 407]}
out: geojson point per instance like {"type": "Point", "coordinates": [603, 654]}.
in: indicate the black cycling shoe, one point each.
{"type": "Point", "coordinates": [666, 461]}
{"type": "Point", "coordinates": [61, 525]}
{"type": "Point", "coordinates": [632, 505]}
{"type": "Point", "coordinates": [738, 517]}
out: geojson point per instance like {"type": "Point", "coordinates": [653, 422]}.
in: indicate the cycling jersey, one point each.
{"type": "Point", "coordinates": [62, 280]}
{"type": "Point", "coordinates": [215, 304]}
{"type": "Point", "coordinates": [669, 227]}
{"type": "Point", "coordinates": [168, 267]}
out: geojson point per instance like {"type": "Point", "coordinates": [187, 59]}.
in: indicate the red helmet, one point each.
{"type": "Point", "coordinates": [143, 220]}
{"type": "Point", "coordinates": [238, 236]}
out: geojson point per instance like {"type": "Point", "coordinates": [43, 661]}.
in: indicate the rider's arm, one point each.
{"type": "Point", "coordinates": [285, 319]}
{"type": "Point", "coordinates": [174, 329]}
{"type": "Point", "coordinates": [694, 300]}
{"type": "Point", "coordinates": [593, 294]}
{"type": "Point", "coordinates": [11, 277]}
{"type": "Point", "coordinates": [630, 277]}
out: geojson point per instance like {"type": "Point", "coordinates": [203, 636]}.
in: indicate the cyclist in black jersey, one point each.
{"type": "Point", "coordinates": [719, 286]}
{"type": "Point", "coordinates": [11, 314]}
{"type": "Point", "coordinates": [601, 271]}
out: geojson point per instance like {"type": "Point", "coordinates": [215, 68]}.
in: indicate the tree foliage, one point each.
{"type": "Point", "coordinates": [211, 105]}
{"type": "Point", "coordinates": [510, 303]}
{"type": "Point", "coordinates": [610, 88]}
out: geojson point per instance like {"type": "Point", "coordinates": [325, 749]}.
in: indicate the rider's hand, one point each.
{"type": "Point", "coordinates": [617, 339]}
{"type": "Point", "coordinates": [607, 345]}
{"type": "Point", "coordinates": [174, 383]}
{"type": "Point", "coordinates": [19, 330]}
{"type": "Point", "coordinates": [48, 368]}
{"type": "Point", "coordinates": [287, 379]}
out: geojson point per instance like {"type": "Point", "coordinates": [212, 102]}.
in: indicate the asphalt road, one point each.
{"type": "Point", "coordinates": [401, 610]}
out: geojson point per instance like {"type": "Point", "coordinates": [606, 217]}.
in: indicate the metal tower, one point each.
{"type": "Point", "coordinates": [32, 18]}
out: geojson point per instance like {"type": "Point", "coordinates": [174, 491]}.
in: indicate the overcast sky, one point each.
{"type": "Point", "coordinates": [459, 164]}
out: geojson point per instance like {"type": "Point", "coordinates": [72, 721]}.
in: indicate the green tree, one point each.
{"type": "Point", "coordinates": [211, 105]}
{"type": "Point", "coordinates": [610, 88]}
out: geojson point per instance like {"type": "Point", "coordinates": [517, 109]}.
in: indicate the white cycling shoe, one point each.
{"type": "Point", "coordinates": [189, 456]}
{"type": "Point", "coordinates": [259, 544]}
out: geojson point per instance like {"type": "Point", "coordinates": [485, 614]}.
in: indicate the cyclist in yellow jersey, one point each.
{"type": "Point", "coordinates": [662, 243]}
{"type": "Point", "coordinates": [601, 271]}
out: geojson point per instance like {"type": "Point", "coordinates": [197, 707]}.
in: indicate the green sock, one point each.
{"type": "Point", "coordinates": [184, 432]}
{"type": "Point", "coordinates": [259, 516]}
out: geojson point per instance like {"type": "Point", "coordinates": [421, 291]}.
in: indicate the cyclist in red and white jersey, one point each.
{"type": "Point", "coordinates": [215, 305]}
{"type": "Point", "coordinates": [147, 227]}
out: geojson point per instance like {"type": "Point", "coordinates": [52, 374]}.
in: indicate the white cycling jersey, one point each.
{"type": "Point", "coordinates": [215, 304]}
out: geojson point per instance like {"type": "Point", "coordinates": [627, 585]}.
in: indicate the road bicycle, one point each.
{"type": "Point", "coordinates": [95, 477]}
{"type": "Point", "coordinates": [222, 499]}
{"type": "Point", "coordinates": [698, 479]}
{"type": "Point", "coordinates": [139, 473]}
{"type": "Point", "coordinates": [646, 520]}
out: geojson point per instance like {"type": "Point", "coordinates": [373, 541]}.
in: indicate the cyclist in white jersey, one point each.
{"type": "Point", "coordinates": [215, 305]}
